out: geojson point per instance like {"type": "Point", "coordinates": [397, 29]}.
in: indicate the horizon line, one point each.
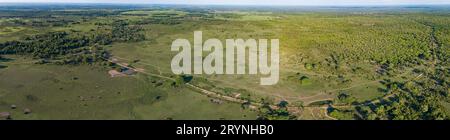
{"type": "Point", "coordinates": [217, 4]}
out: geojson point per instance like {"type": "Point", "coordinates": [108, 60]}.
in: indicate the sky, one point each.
{"type": "Point", "coordinates": [249, 2]}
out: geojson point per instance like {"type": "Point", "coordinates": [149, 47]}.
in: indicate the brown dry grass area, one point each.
{"type": "Point", "coordinates": [115, 73]}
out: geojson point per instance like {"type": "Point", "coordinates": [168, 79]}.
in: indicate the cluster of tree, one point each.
{"type": "Point", "coordinates": [200, 15]}
{"type": "Point", "coordinates": [49, 45]}
{"type": "Point", "coordinates": [388, 42]}
{"type": "Point", "coordinates": [42, 18]}
{"type": "Point", "coordinates": [229, 15]}
{"type": "Point", "coordinates": [72, 47]}
{"type": "Point", "coordinates": [182, 79]}
{"type": "Point", "coordinates": [49, 22]}
{"type": "Point", "coordinates": [123, 31]}
{"type": "Point", "coordinates": [413, 100]}
{"type": "Point", "coordinates": [57, 47]}
{"type": "Point", "coordinates": [342, 114]}
{"type": "Point", "coordinates": [266, 112]}
{"type": "Point", "coordinates": [89, 55]}
{"type": "Point", "coordinates": [160, 20]}
{"type": "Point", "coordinates": [33, 13]}
{"type": "Point", "coordinates": [419, 99]}
{"type": "Point", "coordinates": [345, 99]}
{"type": "Point", "coordinates": [163, 18]}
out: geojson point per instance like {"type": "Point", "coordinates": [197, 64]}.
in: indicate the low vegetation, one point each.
{"type": "Point", "coordinates": [364, 63]}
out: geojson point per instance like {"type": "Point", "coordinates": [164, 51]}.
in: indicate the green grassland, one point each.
{"type": "Point", "coordinates": [156, 51]}
{"type": "Point", "coordinates": [88, 92]}
{"type": "Point", "coordinates": [323, 55]}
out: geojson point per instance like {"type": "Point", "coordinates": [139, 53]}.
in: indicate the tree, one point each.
{"type": "Point", "coordinates": [283, 104]}
{"type": "Point", "coordinates": [345, 98]}
{"type": "Point", "coordinates": [304, 81]}
{"type": "Point", "coordinates": [265, 112]}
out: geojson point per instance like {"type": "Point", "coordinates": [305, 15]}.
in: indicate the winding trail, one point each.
{"type": "Point", "coordinates": [139, 71]}
{"type": "Point", "coordinates": [254, 105]}
{"type": "Point", "coordinates": [201, 90]}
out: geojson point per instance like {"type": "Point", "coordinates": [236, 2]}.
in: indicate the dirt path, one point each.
{"type": "Point", "coordinates": [326, 115]}
{"type": "Point", "coordinates": [293, 109]}
{"type": "Point", "coordinates": [201, 90]}
{"type": "Point", "coordinates": [143, 63]}
{"type": "Point", "coordinates": [253, 105]}
{"type": "Point", "coordinates": [307, 100]}
{"type": "Point", "coordinates": [140, 71]}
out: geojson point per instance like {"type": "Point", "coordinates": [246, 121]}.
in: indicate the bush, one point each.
{"type": "Point", "coordinates": [304, 80]}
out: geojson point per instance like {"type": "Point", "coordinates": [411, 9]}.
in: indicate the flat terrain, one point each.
{"type": "Point", "coordinates": [325, 55]}
{"type": "Point", "coordinates": [88, 92]}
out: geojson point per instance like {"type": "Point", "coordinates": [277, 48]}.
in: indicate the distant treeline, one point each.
{"type": "Point", "coordinates": [49, 14]}
{"type": "Point", "coordinates": [72, 47]}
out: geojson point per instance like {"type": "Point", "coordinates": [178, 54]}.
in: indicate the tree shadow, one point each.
{"type": "Point", "coordinates": [2, 59]}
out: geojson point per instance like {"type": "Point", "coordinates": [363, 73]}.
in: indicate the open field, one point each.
{"type": "Point", "coordinates": [347, 59]}
{"type": "Point", "coordinates": [88, 92]}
